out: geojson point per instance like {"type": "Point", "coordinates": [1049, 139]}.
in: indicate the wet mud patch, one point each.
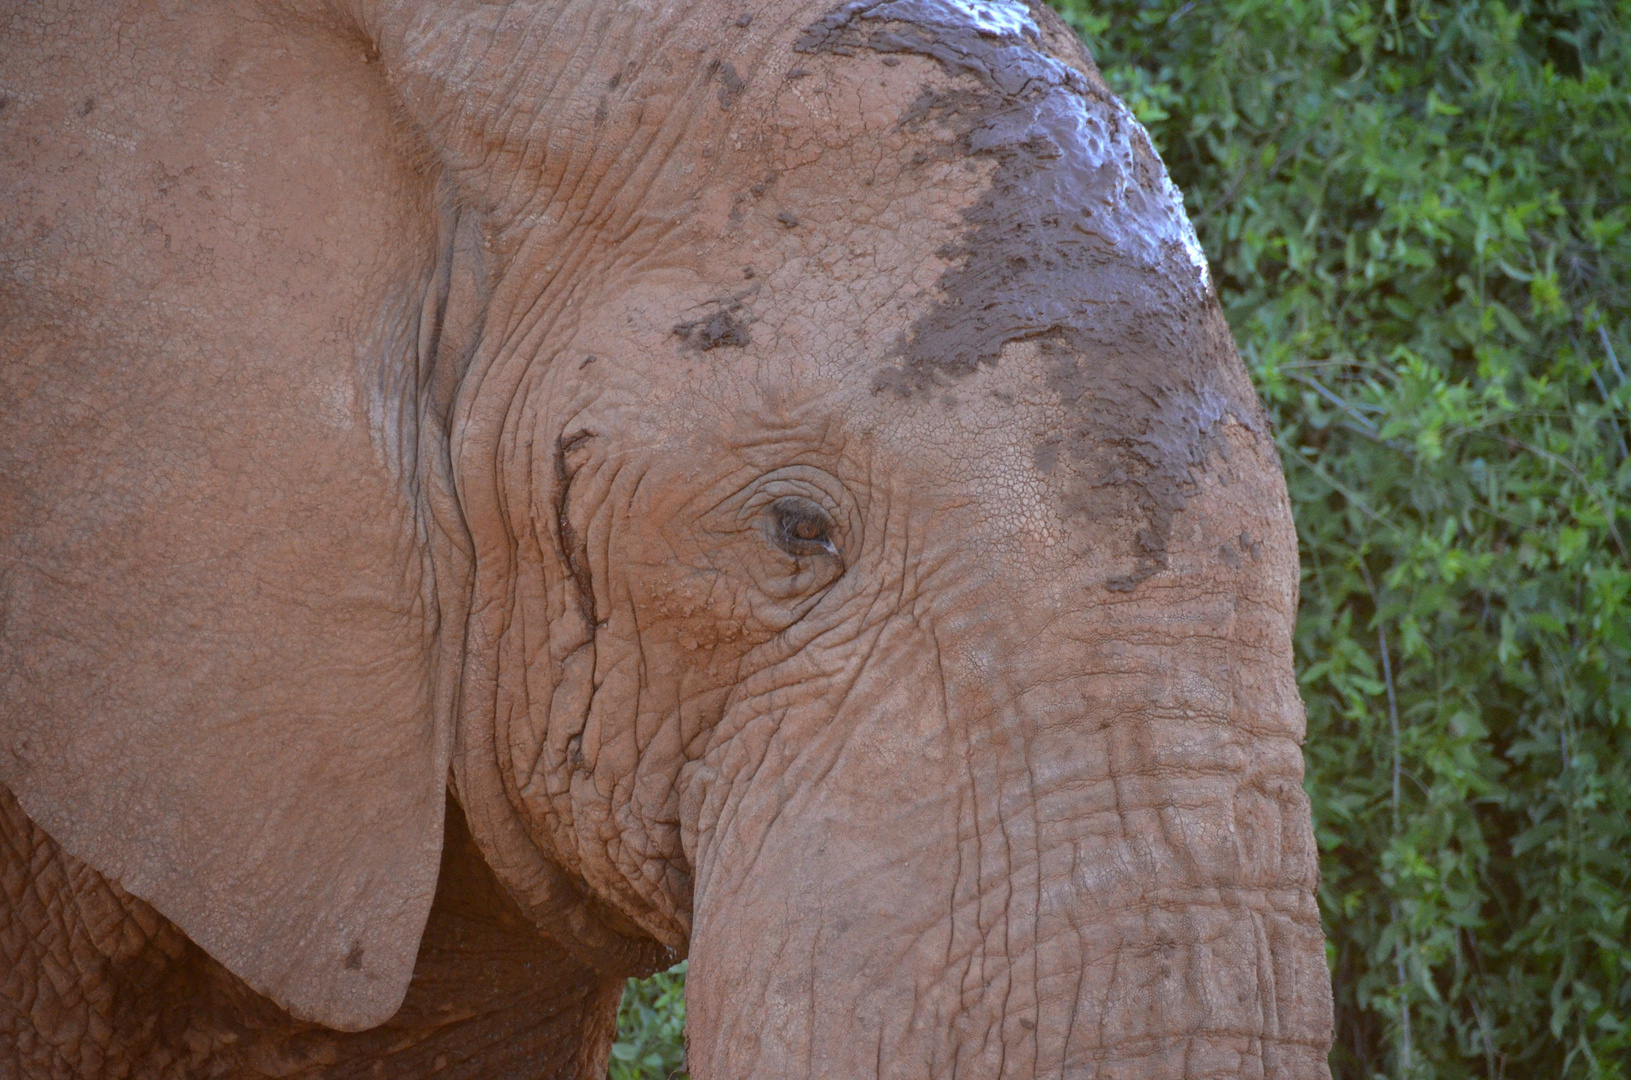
{"type": "Point", "coordinates": [1080, 241]}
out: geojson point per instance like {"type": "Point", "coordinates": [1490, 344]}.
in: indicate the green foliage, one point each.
{"type": "Point", "coordinates": [651, 1028]}
{"type": "Point", "coordinates": [1418, 220]}
{"type": "Point", "coordinates": [1417, 215]}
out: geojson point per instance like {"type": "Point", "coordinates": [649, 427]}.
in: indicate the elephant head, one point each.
{"type": "Point", "coordinates": [785, 469]}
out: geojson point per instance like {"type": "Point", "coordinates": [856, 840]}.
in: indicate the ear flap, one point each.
{"type": "Point", "coordinates": [223, 582]}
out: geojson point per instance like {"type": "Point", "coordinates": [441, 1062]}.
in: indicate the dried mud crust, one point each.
{"type": "Point", "coordinates": [1080, 240]}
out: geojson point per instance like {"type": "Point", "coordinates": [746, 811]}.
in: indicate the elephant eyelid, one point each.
{"type": "Point", "coordinates": [800, 526]}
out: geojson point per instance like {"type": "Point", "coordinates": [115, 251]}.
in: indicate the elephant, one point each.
{"type": "Point", "coordinates": [496, 498]}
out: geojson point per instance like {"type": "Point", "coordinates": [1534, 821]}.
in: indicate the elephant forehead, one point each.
{"type": "Point", "coordinates": [980, 192]}
{"type": "Point", "coordinates": [925, 182]}
{"type": "Point", "coordinates": [974, 249]}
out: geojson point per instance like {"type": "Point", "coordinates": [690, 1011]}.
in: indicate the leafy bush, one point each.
{"type": "Point", "coordinates": [651, 1028]}
{"type": "Point", "coordinates": [1417, 217]}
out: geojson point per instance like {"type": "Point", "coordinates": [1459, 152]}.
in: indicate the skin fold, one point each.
{"type": "Point", "coordinates": [497, 498]}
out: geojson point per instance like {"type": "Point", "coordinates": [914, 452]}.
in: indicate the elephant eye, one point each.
{"type": "Point", "coordinates": [801, 527]}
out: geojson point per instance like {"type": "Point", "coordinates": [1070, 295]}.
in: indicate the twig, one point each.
{"type": "Point", "coordinates": [1602, 504]}
{"type": "Point", "coordinates": [1353, 497]}
{"type": "Point", "coordinates": [1393, 721]}
{"type": "Point", "coordinates": [1367, 427]}
{"type": "Point", "coordinates": [1392, 715]}
{"type": "Point", "coordinates": [1608, 347]}
{"type": "Point", "coordinates": [1597, 381]}
{"type": "Point", "coordinates": [1319, 387]}
{"type": "Point", "coordinates": [1614, 423]}
{"type": "Point", "coordinates": [1496, 1063]}
{"type": "Point", "coordinates": [1222, 201]}
{"type": "Point", "coordinates": [1404, 1012]}
{"type": "Point", "coordinates": [1387, 681]}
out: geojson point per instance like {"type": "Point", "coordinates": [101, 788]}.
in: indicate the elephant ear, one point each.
{"type": "Point", "coordinates": [223, 572]}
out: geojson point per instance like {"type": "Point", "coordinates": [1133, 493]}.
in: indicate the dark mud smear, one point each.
{"type": "Point", "coordinates": [1080, 242]}
{"type": "Point", "coordinates": [730, 84]}
{"type": "Point", "coordinates": [721, 328]}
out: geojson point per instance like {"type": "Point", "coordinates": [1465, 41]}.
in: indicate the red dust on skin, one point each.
{"type": "Point", "coordinates": [785, 466]}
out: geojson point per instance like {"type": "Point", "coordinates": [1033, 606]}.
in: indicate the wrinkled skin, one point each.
{"type": "Point", "coordinates": [781, 473]}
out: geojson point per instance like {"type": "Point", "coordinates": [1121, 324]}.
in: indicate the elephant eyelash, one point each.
{"type": "Point", "coordinates": [801, 527]}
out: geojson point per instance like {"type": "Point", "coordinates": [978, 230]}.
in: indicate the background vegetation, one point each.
{"type": "Point", "coordinates": [651, 1028]}
{"type": "Point", "coordinates": [1417, 216]}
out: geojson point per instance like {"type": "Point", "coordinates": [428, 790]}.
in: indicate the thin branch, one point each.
{"type": "Point", "coordinates": [1591, 488]}
{"type": "Point", "coordinates": [1367, 427]}
{"type": "Point", "coordinates": [1393, 720]}
{"type": "Point", "coordinates": [1319, 388]}
{"type": "Point", "coordinates": [1404, 1013]}
{"type": "Point", "coordinates": [1608, 347]}
{"type": "Point", "coordinates": [1614, 423]}
{"type": "Point", "coordinates": [1352, 496]}
{"type": "Point", "coordinates": [1246, 170]}
{"type": "Point", "coordinates": [1392, 714]}
{"type": "Point", "coordinates": [1495, 1062]}
{"type": "Point", "coordinates": [1222, 201]}
{"type": "Point", "coordinates": [1387, 681]}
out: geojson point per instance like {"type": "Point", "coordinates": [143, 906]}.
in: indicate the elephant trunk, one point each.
{"type": "Point", "coordinates": [1089, 856]}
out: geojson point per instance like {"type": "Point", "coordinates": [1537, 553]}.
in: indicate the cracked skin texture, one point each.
{"type": "Point", "coordinates": [406, 397]}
